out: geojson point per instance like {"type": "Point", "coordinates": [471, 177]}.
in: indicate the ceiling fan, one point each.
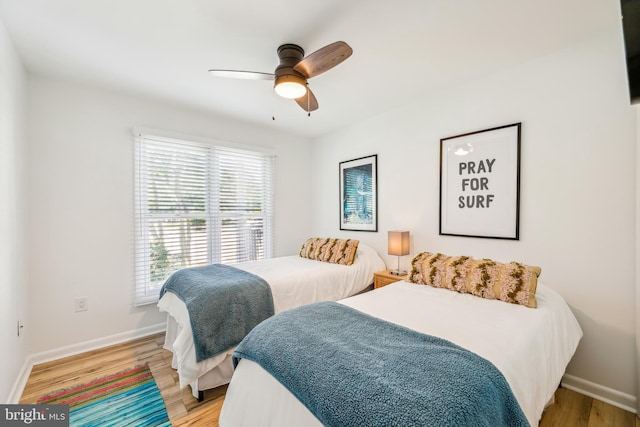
{"type": "Point", "coordinates": [291, 75]}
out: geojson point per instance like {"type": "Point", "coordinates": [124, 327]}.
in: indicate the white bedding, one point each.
{"type": "Point", "coordinates": [294, 281]}
{"type": "Point", "coordinates": [531, 347]}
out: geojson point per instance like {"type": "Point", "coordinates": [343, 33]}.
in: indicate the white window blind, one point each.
{"type": "Point", "coordinates": [198, 204]}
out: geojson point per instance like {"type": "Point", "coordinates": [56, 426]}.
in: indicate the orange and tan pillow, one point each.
{"type": "Point", "coordinates": [513, 282]}
{"type": "Point", "coordinates": [336, 251]}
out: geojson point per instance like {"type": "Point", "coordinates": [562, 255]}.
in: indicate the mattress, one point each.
{"type": "Point", "coordinates": [530, 347]}
{"type": "Point", "coordinates": [294, 281]}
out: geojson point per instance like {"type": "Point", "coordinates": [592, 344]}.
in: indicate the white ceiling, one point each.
{"type": "Point", "coordinates": [402, 49]}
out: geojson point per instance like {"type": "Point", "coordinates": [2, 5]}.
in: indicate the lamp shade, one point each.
{"type": "Point", "coordinates": [290, 86]}
{"type": "Point", "coordinates": [398, 242]}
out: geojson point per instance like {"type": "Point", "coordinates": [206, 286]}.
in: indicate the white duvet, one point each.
{"type": "Point", "coordinates": [294, 281]}
{"type": "Point", "coordinates": [531, 347]}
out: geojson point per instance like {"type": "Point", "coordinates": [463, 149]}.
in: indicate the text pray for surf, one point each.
{"type": "Point", "coordinates": [475, 184]}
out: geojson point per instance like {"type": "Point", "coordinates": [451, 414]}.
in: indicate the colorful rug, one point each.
{"type": "Point", "coordinates": [127, 398]}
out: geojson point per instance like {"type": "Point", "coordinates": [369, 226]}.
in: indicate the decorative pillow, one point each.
{"type": "Point", "coordinates": [336, 251]}
{"type": "Point", "coordinates": [513, 282]}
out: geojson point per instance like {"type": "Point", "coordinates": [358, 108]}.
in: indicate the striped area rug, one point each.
{"type": "Point", "coordinates": [127, 398]}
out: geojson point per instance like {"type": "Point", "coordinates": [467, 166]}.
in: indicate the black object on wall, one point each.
{"type": "Point", "coordinates": [631, 32]}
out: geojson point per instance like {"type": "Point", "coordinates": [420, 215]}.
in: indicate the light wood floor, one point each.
{"type": "Point", "coordinates": [571, 409]}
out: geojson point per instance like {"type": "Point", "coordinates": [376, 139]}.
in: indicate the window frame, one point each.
{"type": "Point", "coordinates": [145, 290]}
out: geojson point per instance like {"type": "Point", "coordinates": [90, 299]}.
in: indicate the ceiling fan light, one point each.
{"type": "Point", "coordinates": [291, 87]}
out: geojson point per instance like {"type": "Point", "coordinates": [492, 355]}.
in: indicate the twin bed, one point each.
{"type": "Point", "coordinates": [524, 331]}
{"type": "Point", "coordinates": [294, 281]}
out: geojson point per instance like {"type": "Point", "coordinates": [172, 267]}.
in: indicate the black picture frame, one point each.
{"type": "Point", "coordinates": [359, 194]}
{"type": "Point", "coordinates": [480, 183]}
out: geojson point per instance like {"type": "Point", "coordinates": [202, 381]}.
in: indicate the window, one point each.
{"type": "Point", "coordinates": [198, 204]}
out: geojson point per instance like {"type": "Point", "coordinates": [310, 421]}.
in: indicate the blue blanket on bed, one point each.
{"type": "Point", "coordinates": [352, 369]}
{"type": "Point", "coordinates": [224, 304]}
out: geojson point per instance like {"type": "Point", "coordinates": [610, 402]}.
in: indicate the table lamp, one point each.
{"type": "Point", "coordinates": [398, 244]}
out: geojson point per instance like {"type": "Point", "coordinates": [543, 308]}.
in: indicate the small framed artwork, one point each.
{"type": "Point", "coordinates": [359, 194]}
{"type": "Point", "coordinates": [480, 183]}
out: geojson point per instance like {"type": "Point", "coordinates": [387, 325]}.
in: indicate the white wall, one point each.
{"type": "Point", "coordinates": [577, 189]}
{"type": "Point", "coordinates": [13, 281]}
{"type": "Point", "coordinates": [81, 203]}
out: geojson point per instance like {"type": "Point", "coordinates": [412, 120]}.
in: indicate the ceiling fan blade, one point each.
{"type": "Point", "coordinates": [323, 59]}
{"type": "Point", "coordinates": [308, 102]}
{"type": "Point", "coordinates": [249, 75]}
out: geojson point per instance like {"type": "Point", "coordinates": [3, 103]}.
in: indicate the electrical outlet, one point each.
{"type": "Point", "coordinates": [82, 304]}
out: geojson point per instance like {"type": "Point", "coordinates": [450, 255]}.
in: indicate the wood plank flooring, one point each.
{"type": "Point", "coordinates": [571, 409]}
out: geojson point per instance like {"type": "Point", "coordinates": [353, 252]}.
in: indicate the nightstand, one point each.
{"type": "Point", "coordinates": [384, 278]}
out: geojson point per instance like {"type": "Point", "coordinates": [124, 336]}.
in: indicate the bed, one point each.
{"type": "Point", "coordinates": [530, 347]}
{"type": "Point", "coordinates": [294, 281]}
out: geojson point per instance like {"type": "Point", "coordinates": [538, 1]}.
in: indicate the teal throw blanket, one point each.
{"type": "Point", "coordinates": [352, 369]}
{"type": "Point", "coordinates": [224, 304]}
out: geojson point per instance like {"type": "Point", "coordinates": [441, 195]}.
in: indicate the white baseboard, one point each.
{"type": "Point", "coordinates": [71, 350]}
{"type": "Point", "coordinates": [21, 381]}
{"type": "Point", "coordinates": [600, 392]}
